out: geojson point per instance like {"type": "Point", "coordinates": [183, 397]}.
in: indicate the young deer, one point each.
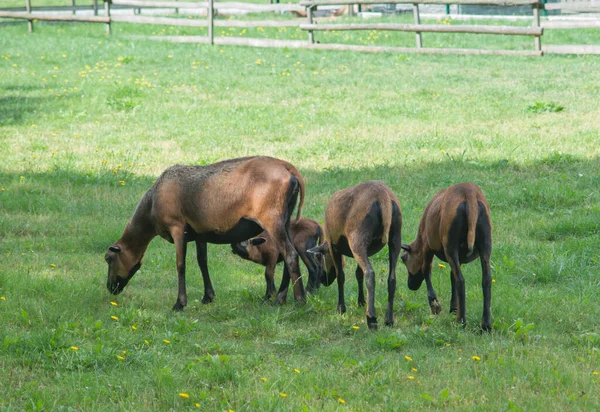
{"type": "Point", "coordinates": [457, 228]}
{"type": "Point", "coordinates": [305, 233]}
{"type": "Point", "coordinates": [359, 222]}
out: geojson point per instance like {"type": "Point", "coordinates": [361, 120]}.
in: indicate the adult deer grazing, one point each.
{"type": "Point", "coordinates": [359, 222]}
{"type": "Point", "coordinates": [305, 233]}
{"type": "Point", "coordinates": [457, 228]}
{"type": "Point", "coordinates": [225, 202]}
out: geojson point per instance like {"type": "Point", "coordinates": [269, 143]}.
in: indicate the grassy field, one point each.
{"type": "Point", "coordinates": [88, 122]}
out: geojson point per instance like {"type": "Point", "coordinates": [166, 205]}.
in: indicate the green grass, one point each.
{"type": "Point", "coordinates": [88, 122]}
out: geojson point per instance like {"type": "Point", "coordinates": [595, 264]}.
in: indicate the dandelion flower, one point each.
{"type": "Point", "coordinates": [146, 341]}
{"type": "Point", "coordinates": [340, 400]}
{"type": "Point", "coordinates": [53, 265]}
{"type": "Point", "coordinates": [2, 297]}
{"type": "Point", "coordinates": [197, 405]}
{"type": "Point", "coordinates": [283, 395]}
{"type": "Point", "coordinates": [493, 280]}
{"type": "Point", "coordinates": [408, 358]}
{"type": "Point", "coordinates": [74, 348]}
{"type": "Point", "coordinates": [297, 370]}
{"type": "Point", "coordinates": [114, 317]}
{"type": "Point", "coordinates": [168, 342]}
{"type": "Point", "coordinates": [442, 266]}
{"type": "Point", "coordinates": [121, 358]}
{"type": "Point", "coordinates": [184, 395]}
{"type": "Point", "coordinates": [414, 369]}
{"type": "Point", "coordinates": [411, 377]}
{"type": "Point", "coordinates": [263, 379]}
{"type": "Point", "coordinates": [595, 373]}
{"type": "Point", "coordinates": [133, 327]}
{"type": "Point", "coordinates": [355, 327]}
{"type": "Point", "coordinates": [114, 303]}
{"type": "Point", "coordinates": [476, 358]}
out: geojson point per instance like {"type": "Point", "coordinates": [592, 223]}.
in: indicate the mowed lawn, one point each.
{"type": "Point", "coordinates": [87, 123]}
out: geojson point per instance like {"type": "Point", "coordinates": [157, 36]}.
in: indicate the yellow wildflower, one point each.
{"type": "Point", "coordinates": [283, 395]}
{"type": "Point", "coordinates": [184, 395]}
{"type": "Point", "coordinates": [121, 358]}
{"type": "Point", "coordinates": [113, 317]}
{"type": "Point", "coordinates": [340, 400]}
{"type": "Point", "coordinates": [442, 266]}
{"type": "Point", "coordinates": [411, 377]}
{"type": "Point", "coordinates": [263, 379]}
{"type": "Point", "coordinates": [114, 303]}
{"type": "Point", "coordinates": [355, 327]}
{"type": "Point", "coordinates": [408, 358]}
{"type": "Point", "coordinates": [168, 342]}
{"type": "Point", "coordinates": [74, 348]}
{"type": "Point", "coordinates": [413, 369]}
{"type": "Point", "coordinates": [133, 327]}
{"type": "Point", "coordinates": [297, 370]}
{"type": "Point", "coordinates": [2, 297]}
{"type": "Point", "coordinates": [476, 358]}
{"type": "Point", "coordinates": [595, 373]}
{"type": "Point", "coordinates": [53, 265]}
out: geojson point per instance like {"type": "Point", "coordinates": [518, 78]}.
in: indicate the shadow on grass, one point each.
{"type": "Point", "coordinates": [553, 198]}
{"type": "Point", "coordinates": [544, 216]}
{"type": "Point", "coordinates": [14, 109]}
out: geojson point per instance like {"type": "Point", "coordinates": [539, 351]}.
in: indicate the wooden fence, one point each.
{"type": "Point", "coordinates": [308, 7]}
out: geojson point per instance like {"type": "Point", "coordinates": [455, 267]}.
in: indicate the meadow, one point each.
{"type": "Point", "coordinates": [87, 123]}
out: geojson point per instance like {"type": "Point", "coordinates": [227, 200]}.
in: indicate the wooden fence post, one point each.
{"type": "Point", "coordinates": [95, 7]}
{"type": "Point", "coordinates": [417, 21]}
{"type": "Point", "coordinates": [29, 22]}
{"type": "Point", "coordinates": [211, 22]}
{"type": "Point", "coordinates": [73, 7]}
{"type": "Point", "coordinates": [309, 15]}
{"type": "Point", "coordinates": [107, 14]}
{"type": "Point", "coordinates": [536, 23]}
{"type": "Point", "coordinates": [176, 10]}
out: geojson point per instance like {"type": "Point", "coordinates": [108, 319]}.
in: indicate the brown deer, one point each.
{"type": "Point", "coordinates": [225, 202]}
{"type": "Point", "coordinates": [359, 222]}
{"type": "Point", "coordinates": [457, 228]}
{"type": "Point", "coordinates": [305, 233]}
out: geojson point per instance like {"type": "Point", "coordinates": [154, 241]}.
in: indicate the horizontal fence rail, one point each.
{"type": "Point", "coordinates": [573, 7]}
{"type": "Point", "coordinates": [308, 3]}
{"type": "Point", "coordinates": [205, 5]}
{"type": "Point", "coordinates": [209, 9]}
{"type": "Point", "coordinates": [45, 17]}
{"type": "Point", "coordinates": [430, 28]}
